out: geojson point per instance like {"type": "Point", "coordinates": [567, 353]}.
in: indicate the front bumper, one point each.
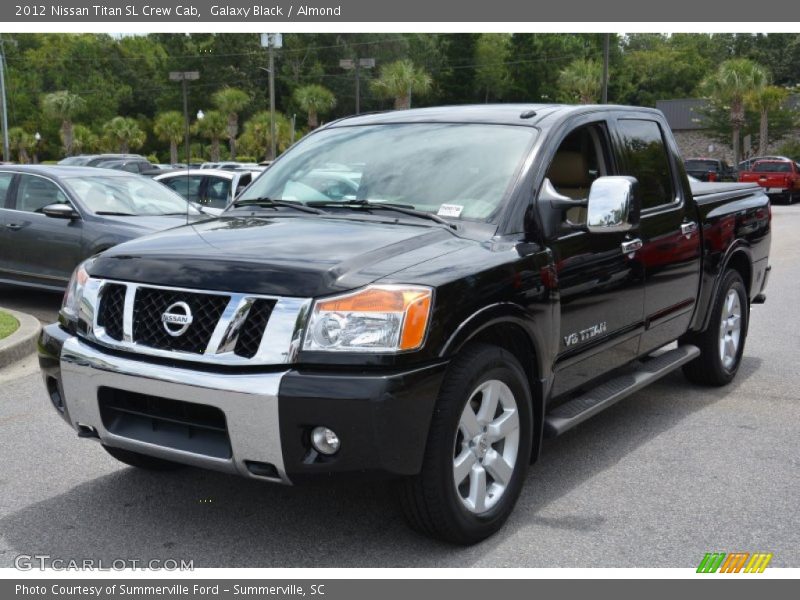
{"type": "Point", "coordinates": [381, 419]}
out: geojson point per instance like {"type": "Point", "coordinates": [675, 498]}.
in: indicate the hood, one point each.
{"type": "Point", "coordinates": [150, 223]}
{"type": "Point", "coordinates": [286, 256]}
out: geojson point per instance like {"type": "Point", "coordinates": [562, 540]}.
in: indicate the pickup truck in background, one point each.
{"type": "Point", "coordinates": [710, 169]}
{"type": "Point", "coordinates": [779, 178]}
{"type": "Point", "coordinates": [498, 275]}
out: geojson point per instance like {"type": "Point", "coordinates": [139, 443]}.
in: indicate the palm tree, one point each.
{"type": "Point", "coordinates": [22, 142]}
{"type": "Point", "coordinates": [401, 79]}
{"type": "Point", "coordinates": [64, 106]}
{"type": "Point", "coordinates": [581, 80]}
{"type": "Point", "coordinates": [256, 137]}
{"type": "Point", "coordinates": [83, 139]}
{"type": "Point", "coordinates": [230, 101]}
{"type": "Point", "coordinates": [315, 100]}
{"type": "Point", "coordinates": [124, 133]}
{"type": "Point", "coordinates": [766, 100]}
{"type": "Point", "coordinates": [170, 127]}
{"type": "Point", "coordinates": [213, 126]}
{"type": "Point", "coordinates": [730, 86]}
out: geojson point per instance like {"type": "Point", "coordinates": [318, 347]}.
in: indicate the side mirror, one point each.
{"type": "Point", "coordinates": [613, 205]}
{"type": "Point", "coordinates": [60, 210]}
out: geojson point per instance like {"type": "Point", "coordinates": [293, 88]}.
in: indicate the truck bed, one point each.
{"type": "Point", "coordinates": [705, 192]}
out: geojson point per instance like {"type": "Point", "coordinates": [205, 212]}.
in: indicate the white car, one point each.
{"type": "Point", "coordinates": [212, 189]}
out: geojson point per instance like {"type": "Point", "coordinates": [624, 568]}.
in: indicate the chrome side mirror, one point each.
{"type": "Point", "coordinates": [613, 205]}
{"type": "Point", "coordinates": [60, 210]}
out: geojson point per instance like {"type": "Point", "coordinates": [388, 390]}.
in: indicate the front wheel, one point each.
{"type": "Point", "coordinates": [478, 449]}
{"type": "Point", "coordinates": [722, 343]}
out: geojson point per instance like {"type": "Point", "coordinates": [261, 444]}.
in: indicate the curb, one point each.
{"type": "Point", "coordinates": [22, 342]}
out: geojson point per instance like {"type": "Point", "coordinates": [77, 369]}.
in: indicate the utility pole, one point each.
{"type": "Point", "coordinates": [4, 99]}
{"type": "Point", "coordinates": [272, 41]}
{"type": "Point", "coordinates": [184, 77]}
{"type": "Point", "coordinates": [606, 37]}
{"type": "Point", "coordinates": [356, 65]}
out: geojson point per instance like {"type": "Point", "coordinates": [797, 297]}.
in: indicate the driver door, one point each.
{"type": "Point", "coordinates": [601, 289]}
{"type": "Point", "coordinates": [41, 249]}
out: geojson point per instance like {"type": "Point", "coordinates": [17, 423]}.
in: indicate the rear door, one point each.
{"type": "Point", "coordinates": [41, 249]}
{"type": "Point", "coordinates": [669, 229]}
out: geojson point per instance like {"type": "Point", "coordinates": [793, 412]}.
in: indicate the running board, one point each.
{"type": "Point", "coordinates": [577, 410]}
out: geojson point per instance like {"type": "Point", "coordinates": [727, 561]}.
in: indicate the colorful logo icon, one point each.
{"type": "Point", "coordinates": [735, 562]}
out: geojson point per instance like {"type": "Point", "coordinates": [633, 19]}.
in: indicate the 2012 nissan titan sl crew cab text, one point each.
{"type": "Point", "coordinates": [422, 295]}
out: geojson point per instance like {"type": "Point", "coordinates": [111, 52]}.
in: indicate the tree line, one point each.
{"type": "Point", "coordinates": [96, 92]}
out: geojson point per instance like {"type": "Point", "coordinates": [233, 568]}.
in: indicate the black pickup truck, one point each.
{"type": "Point", "coordinates": [420, 295]}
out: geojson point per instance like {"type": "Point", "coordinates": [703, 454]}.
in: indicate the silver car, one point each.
{"type": "Point", "coordinates": [54, 217]}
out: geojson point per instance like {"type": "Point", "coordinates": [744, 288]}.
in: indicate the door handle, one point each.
{"type": "Point", "coordinates": [688, 229]}
{"type": "Point", "coordinates": [632, 246]}
{"type": "Point", "coordinates": [13, 226]}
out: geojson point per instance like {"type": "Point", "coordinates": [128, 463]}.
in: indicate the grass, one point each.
{"type": "Point", "coordinates": [8, 324]}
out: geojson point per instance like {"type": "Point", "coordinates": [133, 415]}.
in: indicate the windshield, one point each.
{"type": "Point", "coordinates": [772, 167]}
{"type": "Point", "coordinates": [127, 195]}
{"type": "Point", "coordinates": [454, 170]}
{"type": "Point", "coordinates": [701, 165]}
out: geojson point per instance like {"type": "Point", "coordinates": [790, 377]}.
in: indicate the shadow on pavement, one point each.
{"type": "Point", "coordinates": [224, 521]}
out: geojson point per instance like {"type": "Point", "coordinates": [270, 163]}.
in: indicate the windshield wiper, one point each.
{"type": "Point", "coordinates": [400, 208]}
{"type": "Point", "coordinates": [270, 203]}
{"type": "Point", "coordinates": [111, 213]}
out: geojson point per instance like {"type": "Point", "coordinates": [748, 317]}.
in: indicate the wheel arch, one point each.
{"type": "Point", "coordinates": [507, 326]}
{"type": "Point", "coordinates": [740, 260]}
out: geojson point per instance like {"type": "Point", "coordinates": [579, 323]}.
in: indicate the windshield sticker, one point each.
{"type": "Point", "coordinates": [450, 210]}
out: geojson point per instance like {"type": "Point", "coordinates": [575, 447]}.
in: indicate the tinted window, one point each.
{"type": "Point", "coordinates": [217, 192]}
{"type": "Point", "coordinates": [644, 156]}
{"type": "Point", "coordinates": [188, 187]}
{"type": "Point", "coordinates": [5, 182]}
{"type": "Point", "coordinates": [701, 165]}
{"type": "Point", "coordinates": [34, 193]}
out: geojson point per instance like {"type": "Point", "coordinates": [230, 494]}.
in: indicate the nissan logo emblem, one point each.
{"type": "Point", "coordinates": [177, 318]}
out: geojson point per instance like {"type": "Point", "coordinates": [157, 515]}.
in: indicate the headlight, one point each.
{"type": "Point", "coordinates": [71, 305]}
{"type": "Point", "coordinates": [379, 318]}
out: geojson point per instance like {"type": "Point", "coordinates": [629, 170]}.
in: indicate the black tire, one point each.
{"type": "Point", "coordinates": [430, 500]}
{"type": "Point", "coordinates": [142, 461]}
{"type": "Point", "coordinates": [708, 368]}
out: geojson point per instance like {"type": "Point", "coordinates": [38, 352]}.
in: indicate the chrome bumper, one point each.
{"type": "Point", "coordinates": [248, 401]}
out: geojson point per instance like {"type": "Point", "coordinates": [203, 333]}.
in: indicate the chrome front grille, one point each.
{"type": "Point", "coordinates": [225, 328]}
{"type": "Point", "coordinates": [148, 329]}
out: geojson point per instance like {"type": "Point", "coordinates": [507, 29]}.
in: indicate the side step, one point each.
{"type": "Point", "coordinates": [577, 410]}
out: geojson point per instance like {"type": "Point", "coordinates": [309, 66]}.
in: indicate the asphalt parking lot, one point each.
{"type": "Point", "coordinates": [658, 480]}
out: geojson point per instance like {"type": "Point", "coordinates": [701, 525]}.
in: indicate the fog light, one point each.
{"type": "Point", "coordinates": [325, 441]}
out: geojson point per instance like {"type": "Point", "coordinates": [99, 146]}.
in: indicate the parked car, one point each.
{"type": "Point", "coordinates": [141, 166]}
{"type": "Point", "coordinates": [211, 188]}
{"type": "Point", "coordinates": [504, 273]}
{"type": "Point", "coordinates": [710, 169]}
{"type": "Point", "coordinates": [52, 218]}
{"type": "Point", "coordinates": [747, 164]}
{"type": "Point", "coordinates": [779, 178]}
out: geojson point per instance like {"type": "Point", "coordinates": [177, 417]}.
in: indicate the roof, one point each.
{"type": "Point", "coordinates": [65, 170]}
{"type": "Point", "coordinates": [500, 114]}
{"type": "Point", "coordinates": [229, 173]}
{"type": "Point", "coordinates": [683, 113]}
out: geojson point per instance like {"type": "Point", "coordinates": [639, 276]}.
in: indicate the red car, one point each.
{"type": "Point", "coordinates": [779, 178]}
